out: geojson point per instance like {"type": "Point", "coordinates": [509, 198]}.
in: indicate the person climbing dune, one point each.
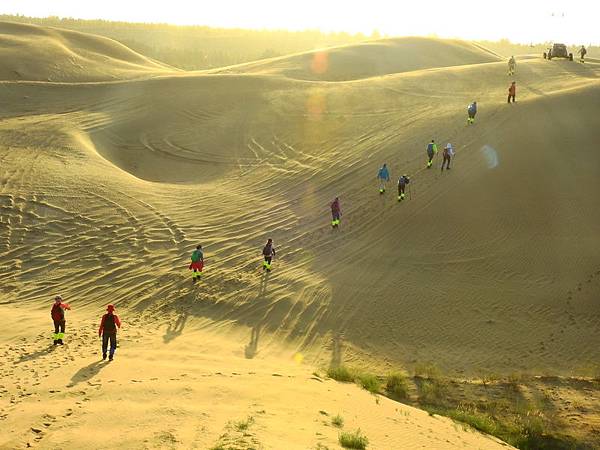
{"type": "Point", "coordinates": [402, 182]}
{"type": "Point", "coordinates": [582, 52]}
{"type": "Point", "coordinates": [58, 317]}
{"type": "Point", "coordinates": [197, 263]}
{"type": "Point", "coordinates": [268, 253]}
{"type": "Point", "coordinates": [448, 154]}
{"type": "Point", "coordinates": [512, 66]}
{"type": "Point", "coordinates": [471, 111]}
{"type": "Point", "coordinates": [383, 176]}
{"type": "Point", "coordinates": [336, 212]}
{"type": "Point", "coordinates": [431, 152]}
{"type": "Point", "coordinates": [108, 331]}
{"type": "Point", "coordinates": [512, 91]}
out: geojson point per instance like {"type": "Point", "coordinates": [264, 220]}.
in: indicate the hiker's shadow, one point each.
{"type": "Point", "coordinates": [174, 330]}
{"type": "Point", "coordinates": [35, 355]}
{"type": "Point", "coordinates": [337, 349]}
{"type": "Point", "coordinates": [251, 349]}
{"type": "Point", "coordinates": [87, 373]}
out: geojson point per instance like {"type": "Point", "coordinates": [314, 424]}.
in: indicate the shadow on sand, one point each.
{"type": "Point", "coordinates": [86, 373]}
{"type": "Point", "coordinates": [251, 349]}
{"type": "Point", "coordinates": [337, 350]}
{"type": "Point", "coordinates": [35, 355]}
{"type": "Point", "coordinates": [175, 329]}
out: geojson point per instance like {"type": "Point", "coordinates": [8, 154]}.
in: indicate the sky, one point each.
{"type": "Point", "coordinates": [568, 21]}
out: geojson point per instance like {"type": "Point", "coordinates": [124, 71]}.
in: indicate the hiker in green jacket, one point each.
{"type": "Point", "coordinates": [197, 264]}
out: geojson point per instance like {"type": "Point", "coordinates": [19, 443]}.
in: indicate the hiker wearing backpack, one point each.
{"type": "Point", "coordinates": [197, 264]}
{"type": "Point", "coordinates": [512, 66]}
{"type": "Point", "coordinates": [383, 176]}
{"type": "Point", "coordinates": [268, 253]}
{"type": "Point", "coordinates": [512, 91]}
{"type": "Point", "coordinates": [448, 154]}
{"type": "Point", "coordinates": [336, 212]}
{"type": "Point", "coordinates": [58, 318]}
{"type": "Point", "coordinates": [582, 52]}
{"type": "Point", "coordinates": [108, 331]}
{"type": "Point", "coordinates": [471, 111]}
{"type": "Point", "coordinates": [402, 182]}
{"type": "Point", "coordinates": [431, 152]}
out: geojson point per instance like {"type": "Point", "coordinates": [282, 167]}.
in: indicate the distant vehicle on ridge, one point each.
{"type": "Point", "coordinates": [558, 51]}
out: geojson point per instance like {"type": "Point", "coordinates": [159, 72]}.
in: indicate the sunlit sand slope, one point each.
{"type": "Point", "coordinates": [371, 59]}
{"type": "Point", "coordinates": [105, 188]}
{"type": "Point", "coordinates": [34, 53]}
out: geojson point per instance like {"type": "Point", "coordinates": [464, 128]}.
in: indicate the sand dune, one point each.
{"type": "Point", "coordinates": [106, 187]}
{"type": "Point", "coordinates": [34, 53]}
{"type": "Point", "coordinates": [371, 59]}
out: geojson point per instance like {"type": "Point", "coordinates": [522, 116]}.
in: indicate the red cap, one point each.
{"type": "Point", "coordinates": [110, 308]}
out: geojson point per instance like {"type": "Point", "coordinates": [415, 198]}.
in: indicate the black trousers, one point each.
{"type": "Point", "coordinates": [268, 259]}
{"type": "Point", "coordinates": [446, 160]}
{"type": "Point", "coordinates": [106, 337]}
{"type": "Point", "coordinates": [401, 188]}
{"type": "Point", "coordinates": [511, 96]}
{"type": "Point", "coordinates": [59, 326]}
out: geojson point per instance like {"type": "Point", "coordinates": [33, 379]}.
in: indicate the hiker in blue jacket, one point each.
{"type": "Point", "coordinates": [383, 176]}
{"type": "Point", "coordinates": [472, 110]}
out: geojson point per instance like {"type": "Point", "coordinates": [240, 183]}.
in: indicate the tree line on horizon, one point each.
{"type": "Point", "coordinates": [199, 47]}
{"type": "Point", "coordinates": [196, 47]}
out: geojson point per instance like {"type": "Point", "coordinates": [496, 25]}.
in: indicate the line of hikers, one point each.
{"type": "Point", "coordinates": [109, 324]}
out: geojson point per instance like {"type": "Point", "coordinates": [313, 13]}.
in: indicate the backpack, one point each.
{"type": "Point", "coordinates": [196, 256]}
{"type": "Point", "coordinates": [57, 312]}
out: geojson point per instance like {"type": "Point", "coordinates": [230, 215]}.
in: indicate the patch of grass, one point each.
{"type": "Point", "coordinates": [355, 440]}
{"type": "Point", "coordinates": [396, 386]}
{"type": "Point", "coordinates": [433, 391]}
{"type": "Point", "coordinates": [243, 425]}
{"type": "Point", "coordinates": [369, 382]}
{"type": "Point", "coordinates": [342, 373]}
{"type": "Point", "coordinates": [427, 370]}
{"type": "Point", "coordinates": [337, 421]}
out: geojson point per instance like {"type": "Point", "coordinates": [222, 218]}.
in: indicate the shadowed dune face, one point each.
{"type": "Point", "coordinates": [371, 59]}
{"type": "Point", "coordinates": [107, 187]}
{"type": "Point", "coordinates": [33, 53]}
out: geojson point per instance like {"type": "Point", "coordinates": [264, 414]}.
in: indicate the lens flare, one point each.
{"type": "Point", "coordinates": [319, 63]}
{"type": "Point", "coordinates": [490, 155]}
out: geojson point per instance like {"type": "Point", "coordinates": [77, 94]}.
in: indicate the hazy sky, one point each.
{"type": "Point", "coordinates": [572, 21]}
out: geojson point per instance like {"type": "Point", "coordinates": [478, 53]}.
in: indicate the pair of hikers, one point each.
{"type": "Point", "coordinates": [447, 154]}
{"type": "Point", "coordinates": [109, 324]}
{"type": "Point", "coordinates": [197, 258]}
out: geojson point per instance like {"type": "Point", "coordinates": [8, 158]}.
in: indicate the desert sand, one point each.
{"type": "Point", "coordinates": [113, 167]}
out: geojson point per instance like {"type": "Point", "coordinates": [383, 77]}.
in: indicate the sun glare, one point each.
{"type": "Point", "coordinates": [534, 21]}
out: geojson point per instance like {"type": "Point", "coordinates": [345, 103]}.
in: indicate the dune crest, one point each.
{"type": "Point", "coordinates": [35, 53]}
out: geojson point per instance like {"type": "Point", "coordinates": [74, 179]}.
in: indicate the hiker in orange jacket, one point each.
{"type": "Point", "coordinates": [512, 90]}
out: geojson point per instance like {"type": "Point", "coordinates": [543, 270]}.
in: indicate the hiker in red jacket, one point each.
{"type": "Point", "coordinates": [108, 330]}
{"type": "Point", "coordinates": [58, 317]}
{"type": "Point", "coordinates": [512, 90]}
{"type": "Point", "coordinates": [336, 212]}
